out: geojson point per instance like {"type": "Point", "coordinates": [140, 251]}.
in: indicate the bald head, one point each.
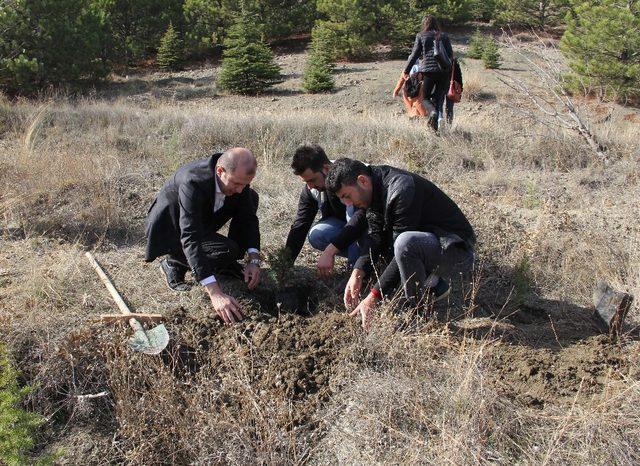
{"type": "Point", "coordinates": [238, 158]}
{"type": "Point", "coordinates": [235, 169]}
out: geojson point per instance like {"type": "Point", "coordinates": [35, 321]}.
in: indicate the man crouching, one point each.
{"type": "Point", "coordinates": [196, 202]}
{"type": "Point", "coordinates": [412, 222]}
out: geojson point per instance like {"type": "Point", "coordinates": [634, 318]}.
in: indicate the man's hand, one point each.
{"type": "Point", "coordinates": [225, 306]}
{"type": "Point", "coordinates": [252, 275]}
{"type": "Point", "coordinates": [365, 310]}
{"type": "Point", "coordinates": [327, 261]}
{"type": "Point", "coordinates": [352, 290]}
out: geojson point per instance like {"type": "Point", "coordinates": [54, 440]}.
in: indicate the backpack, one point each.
{"type": "Point", "coordinates": [412, 85]}
{"type": "Point", "coordinates": [440, 53]}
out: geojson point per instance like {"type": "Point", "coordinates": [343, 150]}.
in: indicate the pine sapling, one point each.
{"type": "Point", "coordinates": [171, 50]}
{"type": "Point", "coordinates": [491, 54]}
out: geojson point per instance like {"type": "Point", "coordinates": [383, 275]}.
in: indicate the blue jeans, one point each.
{"type": "Point", "coordinates": [325, 231]}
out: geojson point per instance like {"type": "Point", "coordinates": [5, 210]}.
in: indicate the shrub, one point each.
{"type": "Point", "coordinates": [248, 66]}
{"type": "Point", "coordinates": [352, 26]}
{"type": "Point", "coordinates": [601, 43]}
{"type": "Point", "coordinates": [50, 42]}
{"type": "Point", "coordinates": [476, 45]}
{"type": "Point", "coordinates": [532, 13]}
{"type": "Point", "coordinates": [404, 24]}
{"type": "Point", "coordinates": [491, 54]}
{"type": "Point", "coordinates": [170, 52]}
{"type": "Point", "coordinates": [317, 73]}
{"type": "Point", "coordinates": [281, 265]}
{"type": "Point", "coordinates": [16, 425]}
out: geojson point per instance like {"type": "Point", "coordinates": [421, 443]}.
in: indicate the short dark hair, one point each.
{"type": "Point", "coordinates": [308, 156]}
{"type": "Point", "coordinates": [345, 172]}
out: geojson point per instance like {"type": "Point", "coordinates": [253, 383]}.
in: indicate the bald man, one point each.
{"type": "Point", "coordinates": [183, 221]}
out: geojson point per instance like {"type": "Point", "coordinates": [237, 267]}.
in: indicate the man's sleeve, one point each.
{"type": "Point", "coordinates": [246, 216]}
{"type": "Point", "coordinates": [415, 53]}
{"type": "Point", "coordinates": [352, 231]}
{"type": "Point", "coordinates": [191, 230]}
{"type": "Point", "coordinates": [372, 242]}
{"type": "Point", "coordinates": [307, 210]}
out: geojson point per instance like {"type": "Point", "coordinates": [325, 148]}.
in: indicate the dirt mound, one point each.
{"type": "Point", "coordinates": [290, 356]}
{"type": "Point", "coordinates": [539, 376]}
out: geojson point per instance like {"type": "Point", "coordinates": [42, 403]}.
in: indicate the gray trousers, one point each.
{"type": "Point", "coordinates": [422, 260]}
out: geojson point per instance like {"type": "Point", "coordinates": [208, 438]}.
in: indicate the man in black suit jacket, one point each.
{"type": "Point", "coordinates": [422, 232]}
{"type": "Point", "coordinates": [196, 202]}
{"type": "Point", "coordinates": [339, 227]}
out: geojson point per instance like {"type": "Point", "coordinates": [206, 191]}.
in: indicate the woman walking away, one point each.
{"type": "Point", "coordinates": [433, 47]}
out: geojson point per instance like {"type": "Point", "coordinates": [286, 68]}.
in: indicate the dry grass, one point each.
{"type": "Point", "coordinates": [289, 390]}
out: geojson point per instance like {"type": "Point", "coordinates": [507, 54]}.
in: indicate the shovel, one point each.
{"type": "Point", "coordinates": [151, 341]}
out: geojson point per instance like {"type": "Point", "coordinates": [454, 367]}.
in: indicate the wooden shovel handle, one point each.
{"type": "Point", "coordinates": [112, 289]}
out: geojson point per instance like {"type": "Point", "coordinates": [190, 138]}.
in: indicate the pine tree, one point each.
{"type": "Point", "coordinates": [601, 43]}
{"type": "Point", "coordinates": [170, 52]}
{"type": "Point", "coordinates": [491, 54]}
{"type": "Point", "coordinates": [404, 21]}
{"type": "Point", "coordinates": [353, 25]}
{"type": "Point", "coordinates": [318, 70]}
{"type": "Point", "coordinates": [476, 45]}
{"type": "Point", "coordinates": [248, 66]}
{"type": "Point", "coordinates": [532, 13]}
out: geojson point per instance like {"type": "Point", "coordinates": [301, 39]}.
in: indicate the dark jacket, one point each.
{"type": "Point", "coordinates": [423, 50]}
{"type": "Point", "coordinates": [182, 215]}
{"type": "Point", "coordinates": [403, 201]}
{"type": "Point", "coordinates": [331, 207]}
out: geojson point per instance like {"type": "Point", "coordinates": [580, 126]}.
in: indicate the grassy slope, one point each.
{"type": "Point", "coordinates": [520, 373]}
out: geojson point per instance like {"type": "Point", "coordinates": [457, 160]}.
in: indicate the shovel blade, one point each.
{"type": "Point", "coordinates": [151, 341]}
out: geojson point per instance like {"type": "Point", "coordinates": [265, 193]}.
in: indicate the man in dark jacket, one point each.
{"type": "Point", "coordinates": [339, 227]}
{"type": "Point", "coordinates": [196, 202]}
{"type": "Point", "coordinates": [421, 230]}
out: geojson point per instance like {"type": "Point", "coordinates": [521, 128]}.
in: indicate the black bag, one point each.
{"type": "Point", "coordinates": [412, 85]}
{"type": "Point", "coordinates": [440, 53]}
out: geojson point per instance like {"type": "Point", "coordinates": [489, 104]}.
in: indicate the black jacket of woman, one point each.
{"type": "Point", "coordinates": [423, 50]}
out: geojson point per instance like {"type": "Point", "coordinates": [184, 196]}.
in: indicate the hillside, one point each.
{"type": "Point", "coordinates": [518, 370]}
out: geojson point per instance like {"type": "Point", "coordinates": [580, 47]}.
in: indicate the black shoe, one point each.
{"type": "Point", "coordinates": [174, 276]}
{"type": "Point", "coordinates": [433, 122]}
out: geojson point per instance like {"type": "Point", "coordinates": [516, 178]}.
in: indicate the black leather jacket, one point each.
{"type": "Point", "coordinates": [423, 50]}
{"type": "Point", "coordinates": [403, 201]}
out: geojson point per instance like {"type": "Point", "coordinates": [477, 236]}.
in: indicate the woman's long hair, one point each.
{"type": "Point", "coordinates": [430, 23]}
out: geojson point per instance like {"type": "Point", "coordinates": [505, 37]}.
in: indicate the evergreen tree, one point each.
{"type": "Point", "coordinates": [476, 45]}
{"type": "Point", "coordinates": [602, 45]}
{"type": "Point", "coordinates": [404, 20]}
{"type": "Point", "coordinates": [491, 54]}
{"type": "Point", "coordinates": [136, 26]}
{"type": "Point", "coordinates": [171, 50]}
{"type": "Point", "coordinates": [50, 42]}
{"type": "Point", "coordinates": [319, 68]}
{"type": "Point", "coordinates": [532, 13]}
{"type": "Point", "coordinates": [206, 22]}
{"type": "Point", "coordinates": [248, 65]}
{"type": "Point", "coordinates": [353, 25]}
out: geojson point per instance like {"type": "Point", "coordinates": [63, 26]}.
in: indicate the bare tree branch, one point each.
{"type": "Point", "coordinates": [549, 96]}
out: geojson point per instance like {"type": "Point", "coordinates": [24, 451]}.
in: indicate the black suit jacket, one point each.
{"type": "Point", "coordinates": [332, 207]}
{"type": "Point", "coordinates": [403, 201]}
{"type": "Point", "coordinates": [182, 216]}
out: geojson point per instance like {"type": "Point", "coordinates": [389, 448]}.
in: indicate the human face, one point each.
{"type": "Point", "coordinates": [234, 182]}
{"type": "Point", "coordinates": [359, 194]}
{"type": "Point", "coordinates": [315, 180]}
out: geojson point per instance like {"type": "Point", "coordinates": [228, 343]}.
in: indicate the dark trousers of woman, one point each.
{"type": "Point", "coordinates": [441, 82]}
